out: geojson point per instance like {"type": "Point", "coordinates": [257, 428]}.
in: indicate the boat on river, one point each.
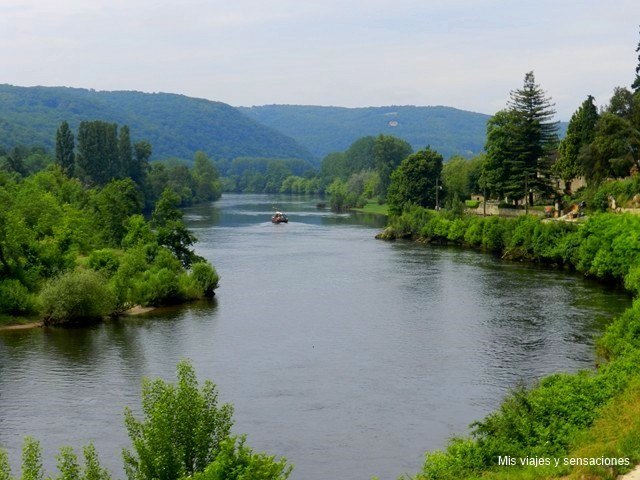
{"type": "Point", "coordinates": [279, 217]}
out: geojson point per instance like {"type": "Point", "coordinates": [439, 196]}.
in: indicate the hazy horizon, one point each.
{"type": "Point", "coordinates": [464, 54]}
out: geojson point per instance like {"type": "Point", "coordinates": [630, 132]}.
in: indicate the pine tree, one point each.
{"type": "Point", "coordinates": [536, 136]}
{"type": "Point", "coordinates": [520, 142]}
{"type": "Point", "coordinates": [65, 146]}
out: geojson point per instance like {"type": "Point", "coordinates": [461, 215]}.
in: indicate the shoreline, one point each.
{"type": "Point", "coordinates": [132, 312]}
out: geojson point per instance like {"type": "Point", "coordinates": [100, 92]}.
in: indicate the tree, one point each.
{"type": "Point", "coordinates": [621, 103]}
{"type": "Point", "coordinates": [414, 181]}
{"type": "Point", "coordinates": [113, 205]}
{"type": "Point", "coordinates": [182, 429]}
{"type": "Point", "coordinates": [65, 146]}
{"type": "Point", "coordinates": [388, 152]}
{"type": "Point", "coordinates": [171, 230]}
{"type": "Point", "coordinates": [125, 154]}
{"type": "Point", "coordinates": [206, 178]}
{"type": "Point", "coordinates": [460, 177]}
{"type": "Point", "coordinates": [615, 149]}
{"type": "Point", "coordinates": [97, 158]}
{"type": "Point", "coordinates": [580, 133]}
{"type": "Point", "coordinates": [520, 141]}
{"type": "Point", "coordinates": [636, 82]}
{"type": "Point", "coordinates": [140, 167]}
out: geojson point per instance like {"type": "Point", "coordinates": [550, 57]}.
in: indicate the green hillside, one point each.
{"type": "Point", "coordinates": [176, 125]}
{"type": "Point", "coordinates": [329, 129]}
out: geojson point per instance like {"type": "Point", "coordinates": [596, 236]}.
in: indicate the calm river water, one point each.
{"type": "Point", "coordinates": [348, 355]}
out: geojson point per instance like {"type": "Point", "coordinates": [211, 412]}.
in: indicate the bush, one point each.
{"type": "Point", "coordinates": [471, 203]}
{"type": "Point", "coordinates": [104, 261]}
{"type": "Point", "coordinates": [182, 429]}
{"type": "Point", "coordinates": [74, 296]}
{"type": "Point", "coordinates": [206, 277]}
{"type": "Point", "coordinates": [15, 298]}
{"type": "Point", "coordinates": [237, 462]}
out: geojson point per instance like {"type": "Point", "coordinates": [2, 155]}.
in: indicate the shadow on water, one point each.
{"type": "Point", "coordinates": [347, 355]}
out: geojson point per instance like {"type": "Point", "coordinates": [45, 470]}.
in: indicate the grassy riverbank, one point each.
{"type": "Point", "coordinates": [564, 416]}
{"type": "Point", "coordinates": [373, 207]}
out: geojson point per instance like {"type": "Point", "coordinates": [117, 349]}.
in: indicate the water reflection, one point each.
{"type": "Point", "coordinates": [348, 355]}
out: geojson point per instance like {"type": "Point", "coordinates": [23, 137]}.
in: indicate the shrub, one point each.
{"type": "Point", "coordinates": [237, 462]}
{"type": "Point", "coordinates": [182, 429]}
{"type": "Point", "coordinates": [15, 298]}
{"type": "Point", "coordinates": [104, 261]}
{"type": "Point", "coordinates": [76, 295]}
{"type": "Point", "coordinates": [206, 277]}
{"type": "Point", "coordinates": [472, 203]}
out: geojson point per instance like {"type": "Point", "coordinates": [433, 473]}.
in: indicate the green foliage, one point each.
{"type": "Point", "coordinates": [65, 146]}
{"type": "Point", "coordinates": [206, 277]}
{"type": "Point", "coordinates": [15, 298]}
{"type": "Point", "coordinates": [104, 261]}
{"type": "Point", "coordinates": [113, 205]}
{"type": "Point", "coordinates": [463, 457]}
{"type": "Point", "coordinates": [74, 296]}
{"type": "Point", "coordinates": [414, 181]}
{"type": "Point", "coordinates": [207, 185]}
{"type": "Point", "coordinates": [175, 125]}
{"type": "Point", "coordinates": [171, 231]}
{"type": "Point", "coordinates": [520, 141]}
{"type": "Point", "coordinates": [31, 460]}
{"type": "Point", "coordinates": [67, 463]}
{"type": "Point", "coordinates": [181, 431]}
{"type": "Point", "coordinates": [388, 153]}
{"type": "Point", "coordinates": [235, 461]}
{"type": "Point", "coordinates": [545, 419]}
{"type": "Point", "coordinates": [5, 468]}
{"type": "Point", "coordinates": [332, 129]}
{"type": "Point", "coordinates": [615, 149]}
{"type": "Point", "coordinates": [580, 133]}
{"type": "Point", "coordinates": [460, 177]}
{"type": "Point", "coordinates": [471, 203]}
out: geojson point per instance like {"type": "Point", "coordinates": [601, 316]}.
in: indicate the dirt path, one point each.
{"type": "Point", "coordinates": [632, 475]}
{"type": "Point", "coordinates": [22, 326]}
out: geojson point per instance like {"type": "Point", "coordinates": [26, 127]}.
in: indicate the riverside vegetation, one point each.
{"type": "Point", "coordinates": [563, 415]}
{"type": "Point", "coordinates": [590, 414]}
{"type": "Point", "coordinates": [184, 433]}
{"type": "Point", "coordinates": [74, 244]}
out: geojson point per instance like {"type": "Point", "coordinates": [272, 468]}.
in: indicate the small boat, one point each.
{"type": "Point", "coordinates": [279, 217]}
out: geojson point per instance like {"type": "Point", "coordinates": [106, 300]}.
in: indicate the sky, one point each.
{"type": "Point", "coordinates": [460, 53]}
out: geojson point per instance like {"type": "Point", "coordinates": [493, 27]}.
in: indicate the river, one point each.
{"type": "Point", "coordinates": [348, 355]}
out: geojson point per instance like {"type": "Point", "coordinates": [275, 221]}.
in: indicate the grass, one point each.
{"type": "Point", "coordinates": [373, 207]}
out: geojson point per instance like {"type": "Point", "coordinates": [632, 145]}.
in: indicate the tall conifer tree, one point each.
{"type": "Point", "coordinates": [65, 146]}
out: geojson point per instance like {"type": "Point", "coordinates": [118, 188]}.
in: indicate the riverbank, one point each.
{"type": "Point", "coordinates": [17, 323]}
{"type": "Point", "coordinates": [373, 207]}
{"type": "Point", "coordinates": [585, 415]}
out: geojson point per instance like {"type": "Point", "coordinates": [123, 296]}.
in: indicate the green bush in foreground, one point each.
{"type": "Point", "coordinates": [76, 295]}
{"type": "Point", "coordinates": [184, 434]}
{"type": "Point", "coordinates": [237, 462]}
{"type": "Point", "coordinates": [68, 466]}
{"type": "Point", "coordinates": [182, 429]}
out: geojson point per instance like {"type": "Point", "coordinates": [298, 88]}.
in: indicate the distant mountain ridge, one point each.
{"type": "Point", "coordinates": [176, 125]}
{"type": "Point", "coordinates": [329, 129]}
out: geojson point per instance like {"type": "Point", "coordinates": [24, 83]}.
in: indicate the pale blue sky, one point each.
{"type": "Point", "coordinates": [461, 53]}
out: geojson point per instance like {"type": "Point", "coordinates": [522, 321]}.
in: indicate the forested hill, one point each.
{"type": "Point", "coordinates": [331, 129]}
{"type": "Point", "coordinates": [176, 125]}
